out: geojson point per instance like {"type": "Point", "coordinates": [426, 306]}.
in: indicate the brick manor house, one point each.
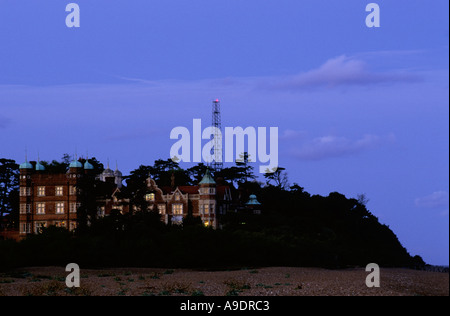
{"type": "Point", "coordinates": [64, 199]}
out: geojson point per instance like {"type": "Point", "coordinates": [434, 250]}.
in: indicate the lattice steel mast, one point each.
{"type": "Point", "coordinates": [217, 164]}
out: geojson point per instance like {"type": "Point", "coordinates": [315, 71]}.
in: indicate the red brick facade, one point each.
{"type": "Point", "coordinates": [58, 199]}
{"type": "Point", "coordinates": [68, 199]}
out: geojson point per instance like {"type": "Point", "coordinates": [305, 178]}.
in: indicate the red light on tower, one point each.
{"type": "Point", "coordinates": [217, 100]}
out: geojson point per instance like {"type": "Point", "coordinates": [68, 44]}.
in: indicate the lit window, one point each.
{"type": "Point", "coordinates": [73, 190]}
{"type": "Point", "coordinates": [38, 226]}
{"type": "Point", "coordinates": [41, 191]}
{"type": "Point", "coordinates": [60, 223]}
{"type": "Point", "coordinates": [60, 208]}
{"type": "Point", "coordinates": [162, 209]}
{"type": "Point", "coordinates": [206, 209]}
{"type": "Point", "coordinates": [150, 197]}
{"type": "Point", "coordinates": [40, 208]}
{"type": "Point", "coordinates": [59, 191]}
{"type": "Point", "coordinates": [177, 209]}
{"type": "Point", "coordinates": [72, 225]}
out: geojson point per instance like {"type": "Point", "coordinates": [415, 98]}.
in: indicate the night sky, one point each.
{"type": "Point", "coordinates": [359, 110]}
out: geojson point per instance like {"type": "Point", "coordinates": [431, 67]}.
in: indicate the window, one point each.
{"type": "Point", "coordinates": [24, 191]}
{"type": "Point", "coordinates": [25, 228]}
{"type": "Point", "coordinates": [177, 197]}
{"type": "Point", "coordinates": [73, 190]}
{"type": "Point", "coordinates": [207, 190]}
{"type": "Point", "coordinates": [60, 223]}
{"type": "Point", "coordinates": [162, 209]}
{"type": "Point", "coordinates": [72, 225]}
{"type": "Point", "coordinates": [177, 209]}
{"type": "Point", "coordinates": [40, 208]}
{"type": "Point", "coordinates": [150, 197]}
{"type": "Point", "coordinates": [60, 208]}
{"type": "Point", "coordinates": [206, 209]}
{"type": "Point", "coordinates": [25, 208]}
{"type": "Point", "coordinates": [41, 191]}
{"type": "Point", "coordinates": [59, 191]}
{"type": "Point", "coordinates": [74, 207]}
{"type": "Point", "coordinates": [38, 226]}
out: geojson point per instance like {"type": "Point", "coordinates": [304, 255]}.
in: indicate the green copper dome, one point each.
{"type": "Point", "coordinates": [252, 200]}
{"type": "Point", "coordinates": [75, 164]}
{"type": "Point", "coordinates": [207, 179]}
{"type": "Point", "coordinates": [39, 167]}
{"type": "Point", "coordinates": [26, 165]}
{"type": "Point", "coordinates": [88, 166]}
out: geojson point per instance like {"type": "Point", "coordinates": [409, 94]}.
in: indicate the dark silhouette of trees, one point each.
{"type": "Point", "coordinates": [278, 177]}
{"type": "Point", "coordinates": [245, 167]}
{"type": "Point", "coordinates": [9, 189]}
{"type": "Point", "coordinates": [57, 166]}
{"type": "Point", "coordinates": [294, 228]}
{"type": "Point", "coordinates": [197, 172]}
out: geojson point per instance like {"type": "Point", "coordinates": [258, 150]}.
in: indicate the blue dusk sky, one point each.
{"type": "Point", "coordinates": [359, 110]}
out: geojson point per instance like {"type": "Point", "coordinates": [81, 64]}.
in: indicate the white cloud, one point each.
{"type": "Point", "coordinates": [434, 200]}
{"type": "Point", "coordinates": [333, 146]}
{"type": "Point", "coordinates": [291, 135]}
{"type": "Point", "coordinates": [338, 71]}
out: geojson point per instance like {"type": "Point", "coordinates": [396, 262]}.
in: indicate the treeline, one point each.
{"type": "Point", "coordinates": [294, 229]}
{"type": "Point", "coordinates": [330, 232]}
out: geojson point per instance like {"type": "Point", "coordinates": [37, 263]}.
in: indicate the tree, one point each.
{"type": "Point", "coordinates": [137, 187]}
{"type": "Point", "coordinates": [278, 176]}
{"type": "Point", "coordinates": [197, 172]}
{"type": "Point", "coordinates": [55, 166]}
{"type": "Point", "coordinates": [297, 189]}
{"type": "Point", "coordinates": [9, 187]}
{"type": "Point", "coordinates": [362, 199]}
{"type": "Point", "coordinates": [162, 171]}
{"type": "Point", "coordinates": [243, 163]}
{"type": "Point", "coordinates": [232, 174]}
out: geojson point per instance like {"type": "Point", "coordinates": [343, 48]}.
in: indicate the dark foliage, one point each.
{"type": "Point", "coordinates": [331, 232]}
{"type": "Point", "coordinates": [294, 229]}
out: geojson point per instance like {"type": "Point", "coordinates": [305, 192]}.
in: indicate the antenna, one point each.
{"type": "Point", "coordinates": [217, 164]}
